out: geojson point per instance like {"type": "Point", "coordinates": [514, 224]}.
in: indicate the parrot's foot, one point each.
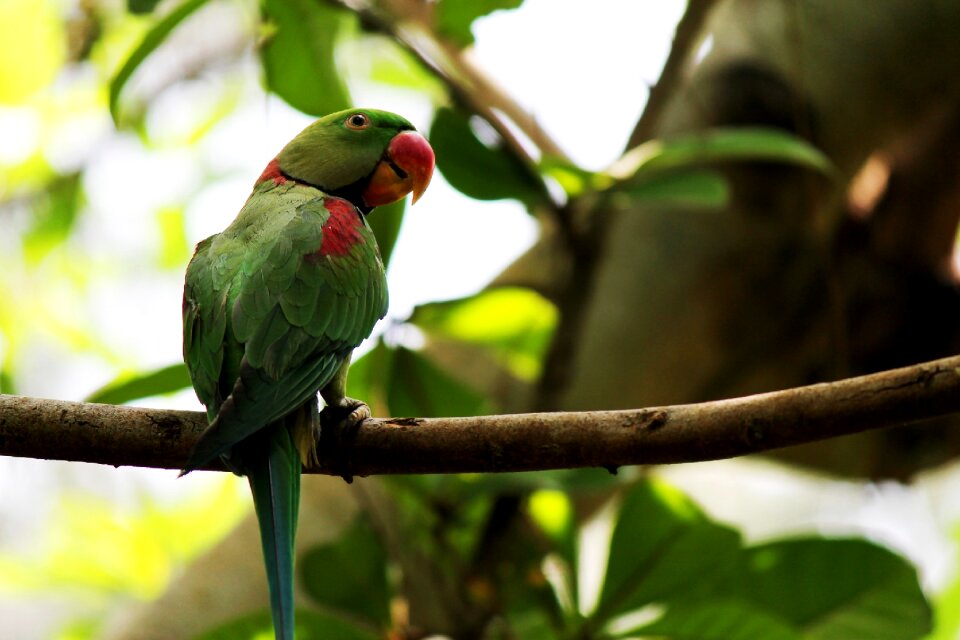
{"type": "Point", "coordinates": [338, 427]}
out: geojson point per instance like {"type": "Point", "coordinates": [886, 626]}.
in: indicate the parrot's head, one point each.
{"type": "Point", "coordinates": [366, 156]}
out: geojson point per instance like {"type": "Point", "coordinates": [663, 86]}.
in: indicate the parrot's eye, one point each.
{"type": "Point", "coordinates": [357, 121]}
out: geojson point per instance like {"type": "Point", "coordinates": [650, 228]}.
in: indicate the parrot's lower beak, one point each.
{"type": "Point", "coordinates": [406, 167]}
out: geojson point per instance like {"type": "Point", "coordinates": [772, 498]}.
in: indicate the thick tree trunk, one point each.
{"type": "Point", "coordinates": [784, 287]}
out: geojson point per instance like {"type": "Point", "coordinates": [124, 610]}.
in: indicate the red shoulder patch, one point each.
{"type": "Point", "coordinates": [341, 231]}
{"type": "Point", "coordinates": [272, 172]}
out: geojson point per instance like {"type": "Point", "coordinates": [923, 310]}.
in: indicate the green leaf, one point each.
{"type": "Point", "coordinates": [665, 552]}
{"type": "Point", "coordinates": [662, 544]}
{"type": "Point", "coordinates": [54, 217]}
{"type": "Point", "coordinates": [248, 627]}
{"type": "Point", "coordinates": [553, 512]}
{"type": "Point", "coordinates": [311, 625]}
{"type": "Point", "coordinates": [719, 619]}
{"type": "Point", "coordinates": [515, 324]}
{"type": "Point", "coordinates": [395, 66]}
{"type": "Point", "coordinates": [141, 7]}
{"type": "Point", "coordinates": [7, 385]}
{"type": "Point", "coordinates": [399, 382]}
{"type": "Point", "coordinates": [530, 624]}
{"type": "Point", "coordinates": [153, 39]}
{"type": "Point", "coordinates": [477, 170]}
{"type": "Point", "coordinates": [454, 17]}
{"type": "Point", "coordinates": [160, 381]}
{"type": "Point", "coordinates": [369, 378]}
{"type": "Point", "coordinates": [418, 387]}
{"type": "Point", "coordinates": [101, 548]}
{"type": "Point", "coordinates": [693, 187]}
{"type": "Point", "coordinates": [508, 558]}
{"type": "Point", "coordinates": [834, 589]}
{"type": "Point", "coordinates": [298, 54]}
{"type": "Point", "coordinates": [948, 607]}
{"type": "Point", "coordinates": [349, 575]}
{"type": "Point", "coordinates": [174, 248]}
{"type": "Point", "coordinates": [719, 145]}
{"type": "Point", "coordinates": [386, 222]}
{"type": "Point", "coordinates": [573, 179]}
{"type": "Point", "coordinates": [86, 628]}
{"type": "Point", "coordinates": [34, 37]}
{"type": "Point", "coordinates": [492, 316]}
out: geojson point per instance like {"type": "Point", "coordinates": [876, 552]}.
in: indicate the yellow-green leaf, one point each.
{"type": "Point", "coordinates": [718, 145]}
{"type": "Point", "coordinates": [153, 39]}
{"type": "Point", "coordinates": [33, 47]}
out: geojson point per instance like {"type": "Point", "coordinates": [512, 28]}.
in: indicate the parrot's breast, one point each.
{"type": "Point", "coordinates": [342, 231]}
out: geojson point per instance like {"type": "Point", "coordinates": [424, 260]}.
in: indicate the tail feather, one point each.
{"type": "Point", "coordinates": [275, 484]}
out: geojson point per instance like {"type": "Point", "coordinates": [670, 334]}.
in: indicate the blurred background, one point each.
{"type": "Point", "coordinates": [637, 204]}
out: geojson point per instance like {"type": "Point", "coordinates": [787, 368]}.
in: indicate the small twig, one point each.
{"type": "Point", "coordinates": [410, 23]}
{"type": "Point", "coordinates": [585, 243]}
{"type": "Point", "coordinates": [484, 93]}
{"type": "Point", "coordinates": [131, 436]}
{"type": "Point", "coordinates": [685, 38]}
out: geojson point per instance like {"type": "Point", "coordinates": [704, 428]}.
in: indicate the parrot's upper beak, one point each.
{"type": "Point", "coordinates": [407, 166]}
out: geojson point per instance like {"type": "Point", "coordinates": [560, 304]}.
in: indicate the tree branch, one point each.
{"type": "Point", "coordinates": [411, 24]}
{"type": "Point", "coordinates": [132, 436]}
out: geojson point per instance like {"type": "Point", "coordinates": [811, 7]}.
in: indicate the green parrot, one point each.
{"type": "Point", "coordinates": [274, 305]}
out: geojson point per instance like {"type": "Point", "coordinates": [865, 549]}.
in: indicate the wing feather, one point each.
{"type": "Point", "coordinates": [266, 323]}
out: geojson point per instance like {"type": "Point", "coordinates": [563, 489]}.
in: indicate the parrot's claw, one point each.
{"type": "Point", "coordinates": [338, 427]}
{"type": "Point", "coordinates": [360, 413]}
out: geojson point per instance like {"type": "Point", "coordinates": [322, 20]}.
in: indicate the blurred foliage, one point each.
{"type": "Point", "coordinates": [334, 574]}
{"type": "Point", "coordinates": [30, 31]}
{"type": "Point", "coordinates": [510, 547]}
{"type": "Point", "coordinates": [677, 170]}
{"type": "Point", "coordinates": [455, 17]}
{"type": "Point", "coordinates": [97, 547]}
{"type": "Point", "coordinates": [310, 626]}
{"type": "Point", "coordinates": [386, 226]}
{"type": "Point", "coordinates": [947, 605]}
{"type": "Point", "coordinates": [671, 572]}
{"type": "Point", "coordinates": [53, 217]}
{"type": "Point", "coordinates": [172, 235]}
{"type": "Point", "coordinates": [514, 324]}
{"type": "Point", "coordinates": [401, 382]}
{"type": "Point", "coordinates": [714, 145]}
{"type": "Point", "coordinates": [127, 388]}
{"type": "Point", "coordinates": [83, 629]}
{"type": "Point", "coordinates": [154, 38]}
{"type": "Point", "coordinates": [141, 6]}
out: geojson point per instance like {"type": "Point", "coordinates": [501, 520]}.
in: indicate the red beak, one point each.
{"type": "Point", "coordinates": [406, 167]}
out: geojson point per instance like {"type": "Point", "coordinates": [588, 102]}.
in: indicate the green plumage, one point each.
{"type": "Point", "coordinates": [263, 325]}
{"type": "Point", "coordinates": [273, 306]}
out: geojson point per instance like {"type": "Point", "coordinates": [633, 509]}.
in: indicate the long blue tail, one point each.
{"type": "Point", "coordinates": [275, 484]}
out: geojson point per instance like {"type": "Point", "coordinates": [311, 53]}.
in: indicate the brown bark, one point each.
{"type": "Point", "coordinates": [106, 434]}
{"type": "Point", "coordinates": [776, 290]}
